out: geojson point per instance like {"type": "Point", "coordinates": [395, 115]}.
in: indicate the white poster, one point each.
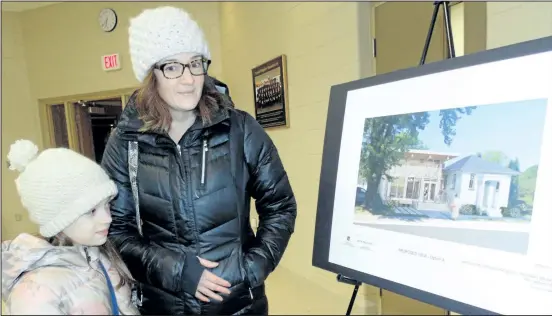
{"type": "Point", "coordinates": [444, 184]}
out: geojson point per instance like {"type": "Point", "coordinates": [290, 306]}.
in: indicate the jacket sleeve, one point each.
{"type": "Point", "coordinates": [274, 201]}
{"type": "Point", "coordinates": [45, 301]}
{"type": "Point", "coordinates": [160, 267]}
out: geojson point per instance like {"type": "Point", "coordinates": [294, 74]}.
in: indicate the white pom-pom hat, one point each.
{"type": "Point", "coordinates": [158, 33]}
{"type": "Point", "coordinates": [58, 185]}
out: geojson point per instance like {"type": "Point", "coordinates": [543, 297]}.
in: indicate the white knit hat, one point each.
{"type": "Point", "coordinates": [57, 186]}
{"type": "Point", "coordinates": [162, 32]}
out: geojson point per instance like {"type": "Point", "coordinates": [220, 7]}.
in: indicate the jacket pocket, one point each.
{"type": "Point", "coordinates": [229, 268]}
{"type": "Point", "coordinates": [249, 280]}
{"type": "Point", "coordinates": [245, 275]}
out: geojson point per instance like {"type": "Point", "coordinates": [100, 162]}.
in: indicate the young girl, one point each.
{"type": "Point", "coordinates": [72, 269]}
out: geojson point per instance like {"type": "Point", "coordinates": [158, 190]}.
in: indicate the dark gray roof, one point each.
{"type": "Point", "coordinates": [474, 164]}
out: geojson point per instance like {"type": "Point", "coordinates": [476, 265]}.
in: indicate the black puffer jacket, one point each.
{"type": "Point", "coordinates": [195, 201]}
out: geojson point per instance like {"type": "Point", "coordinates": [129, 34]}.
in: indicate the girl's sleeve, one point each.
{"type": "Point", "coordinates": [29, 297]}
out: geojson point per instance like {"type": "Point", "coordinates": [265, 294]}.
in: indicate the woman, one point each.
{"type": "Point", "coordinates": [200, 161]}
{"type": "Point", "coordinates": [71, 269]}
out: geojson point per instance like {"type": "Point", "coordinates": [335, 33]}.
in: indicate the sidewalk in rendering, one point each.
{"type": "Point", "coordinates": [518, 226]}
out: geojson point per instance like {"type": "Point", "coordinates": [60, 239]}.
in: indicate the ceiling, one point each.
{"type": "Point", "coordinates": [19, 6]}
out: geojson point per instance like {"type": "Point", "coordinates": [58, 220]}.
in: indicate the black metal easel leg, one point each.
{"type": "Point", "coordinates": [343, 279]}
{"type": "Point", "coordinates": [352, 301]}
{"type": "Point", "coordinates": [430, 31]}
{"type": "Point", "coordinates": [448, 30]}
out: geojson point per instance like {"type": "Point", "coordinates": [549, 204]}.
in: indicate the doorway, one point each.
{"type": "Point", "coordinates": [94, 121]}
{"type": "Point", "coordinates": [413, 188]}
{"type": "Point", "coordinates": [82, 123]}
{"type": "Point", "coordinates": [430, 190]}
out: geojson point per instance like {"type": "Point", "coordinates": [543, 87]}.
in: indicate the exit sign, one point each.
{"type": "Point", "coordinates": [111, 62]}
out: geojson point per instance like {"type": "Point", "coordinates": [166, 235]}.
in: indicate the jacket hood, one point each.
{"type": "Point", "coordinates": [130, 119]}
{"type": "Point", "coordinates": [26, 253]}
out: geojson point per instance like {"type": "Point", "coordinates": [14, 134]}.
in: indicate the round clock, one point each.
{"type": "Point", "coordinates": [107, 19]}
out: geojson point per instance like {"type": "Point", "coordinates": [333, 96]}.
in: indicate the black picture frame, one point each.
{"type": "Point", "coordinates": [331, 154]}
{"type": "Point", "coordinates": [270, 95]}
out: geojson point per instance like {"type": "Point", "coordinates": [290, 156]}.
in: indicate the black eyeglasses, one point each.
{"type": "Point", "coordinates": [174, 69]}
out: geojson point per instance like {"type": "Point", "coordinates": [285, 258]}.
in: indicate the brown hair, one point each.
{"type": "Point", "coordinates": [154, 111]}
{"type": "Point", "coordinates": [108, 250]}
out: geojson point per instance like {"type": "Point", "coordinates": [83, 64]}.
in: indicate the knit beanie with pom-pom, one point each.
{"type": "Point", "coordinates": [58, 185]}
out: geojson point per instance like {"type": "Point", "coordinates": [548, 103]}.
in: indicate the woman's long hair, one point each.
{"type": "Point", "coordinates": [154, 111]}
{"type": "Point", "coordinates": [108, 250]}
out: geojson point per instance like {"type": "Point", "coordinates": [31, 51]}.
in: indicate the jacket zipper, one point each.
{"type": "Point", "coordinates": [187, 177]}
{"type": "Point", "coordinates": [178, 161]}
{"type": "Point", "coordinates": [88, 260]}
{"type": "Point", "coordinates": [203, 159]}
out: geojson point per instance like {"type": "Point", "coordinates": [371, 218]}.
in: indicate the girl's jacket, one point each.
{"type": "Point", "coordinates": [40, 279]}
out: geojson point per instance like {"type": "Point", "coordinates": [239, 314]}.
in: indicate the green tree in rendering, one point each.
{"type": "Point", "coordinates": [514, 184]}
{"type": "Point", "coordinates": [497, 157]}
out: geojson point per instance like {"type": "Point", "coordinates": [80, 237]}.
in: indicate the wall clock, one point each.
{"type": "Point", "coordinates": [107, 19]}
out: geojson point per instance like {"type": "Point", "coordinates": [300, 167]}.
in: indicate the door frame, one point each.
{"type": "Point", "coordinates": [47, 123]}
{"type": "Point", "coordinates": [373, 33]}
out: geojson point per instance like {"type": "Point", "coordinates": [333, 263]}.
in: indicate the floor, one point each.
{"type": "Point", "coordinates": [291, 294]}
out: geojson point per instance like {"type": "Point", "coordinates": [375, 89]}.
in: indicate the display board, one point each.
{"type": "Point", "coordinates": [436, 182]}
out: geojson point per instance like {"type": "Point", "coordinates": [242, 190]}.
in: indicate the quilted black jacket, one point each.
{"type": "Point", "coordinates": [195, 201]}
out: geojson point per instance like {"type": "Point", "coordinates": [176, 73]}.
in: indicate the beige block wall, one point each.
{"type": "Point", "coordinates": [514, 22]}
{"type": "Point", "coordinates": [19, 119]}
{"type": "Point", "coordinates": [64, 45]}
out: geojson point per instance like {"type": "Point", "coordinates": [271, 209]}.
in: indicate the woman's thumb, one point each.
{"type": "Point", "coordinates": [207, 263]}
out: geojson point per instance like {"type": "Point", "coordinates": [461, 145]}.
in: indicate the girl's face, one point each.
{"type": "Point", "coordinates": [91, 228]}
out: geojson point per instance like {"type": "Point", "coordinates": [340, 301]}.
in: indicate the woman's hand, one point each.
{"type": "Point", "coordinates": [209, 283]}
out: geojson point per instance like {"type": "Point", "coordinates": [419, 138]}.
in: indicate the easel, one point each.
{"type": "Point", "coordinates": [451, 54]}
